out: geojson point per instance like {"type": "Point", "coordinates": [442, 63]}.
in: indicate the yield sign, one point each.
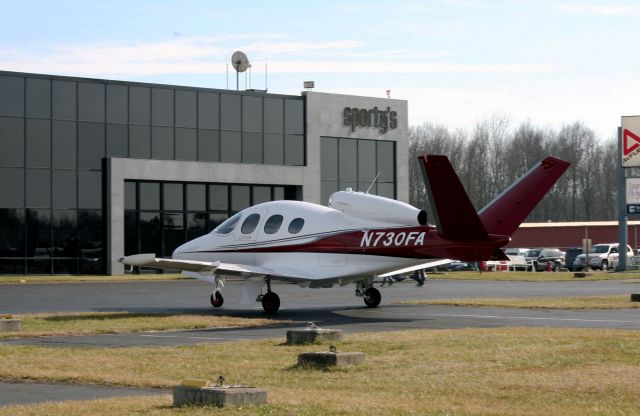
{"type": "Point", "coordinates": [630, 142]}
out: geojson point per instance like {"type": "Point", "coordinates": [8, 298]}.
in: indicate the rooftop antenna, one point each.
{"type": "Point", "coordinates": [265, 77]}
{"type": "Point", "coordinates": [373, 182]}
{"type": "Point", "coordinates": [240, 63]}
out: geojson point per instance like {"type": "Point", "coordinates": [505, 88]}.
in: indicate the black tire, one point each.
{"type": "Point", "coordinates": [605, 265]}
{"type": "Point", "coordinates": [372, 297]}
{"type": "Point", "coordinates": [217, 300]}
{"type": "Point", "coordinates": [271, 302]}
{"type": "Point", "coordinates": [556, 268]}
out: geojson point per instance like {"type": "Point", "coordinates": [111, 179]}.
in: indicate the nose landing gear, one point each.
{"type": "Point", "coordinates": [270, 300]}
{"type": "Point", "coordinates": [368, 293]}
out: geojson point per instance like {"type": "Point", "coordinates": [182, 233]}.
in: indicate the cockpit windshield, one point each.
{"type": "Point", "coordinates": [227, 226]}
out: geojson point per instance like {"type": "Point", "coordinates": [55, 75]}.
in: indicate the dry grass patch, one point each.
{"type": "Point", "coordinates": [525, 371]}
{"type": "Point", "coordinates": [578, 302]}
{"type": "Point", "coordinates": [85, 323]}
{"type": "Point", "coordinates": [89, 278]}
{"type": "Point", "coordinates": [533, 276]}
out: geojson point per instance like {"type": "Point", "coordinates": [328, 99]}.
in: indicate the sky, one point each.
{"type": "Point", "coordinates": [455, 61]}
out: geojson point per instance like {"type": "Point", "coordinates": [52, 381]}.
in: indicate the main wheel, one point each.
{"type": "Point", "coordinates": [271, 302]}
{"type": "Point", "coordinates": [605, 265]}
{"type": "Point", "coordinates": [217, 300]}
{"type": "Point", "coordinates": [372, 297]}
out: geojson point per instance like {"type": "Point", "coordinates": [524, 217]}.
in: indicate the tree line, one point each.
{"type": "Point", "coordinates": [494, 154]}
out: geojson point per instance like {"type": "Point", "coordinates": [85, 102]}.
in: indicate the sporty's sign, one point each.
{"type": "Point", "coordinates": [392, 238]}
{"type": "Point", "coordinates": [630, 141]}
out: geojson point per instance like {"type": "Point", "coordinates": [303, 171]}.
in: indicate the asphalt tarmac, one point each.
{"type": "Point", "coordinates": [329, 308]}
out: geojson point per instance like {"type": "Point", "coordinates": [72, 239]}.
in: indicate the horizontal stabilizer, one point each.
{"type": "Point", "coordinates": [450, 208]}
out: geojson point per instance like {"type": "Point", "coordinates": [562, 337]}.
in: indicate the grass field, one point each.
{"type": "Point", "coordinates": [507, 371]}
{"type": "Point", "coordinates": [116, 322]}
{"type": "Point", "coordinates": [577, 302]}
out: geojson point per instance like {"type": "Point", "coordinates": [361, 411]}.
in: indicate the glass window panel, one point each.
{"type": "Point", "coordinates": [38, 188]}
{"type": "Point", "coordinates": [230, 146]}
{"type": "Point", "coordinates": [12, 185]}
{"type": "Point", "coordinates": [173, 230]}
{"type": "Point", "coordinates": [208, 110]}
{"type": "Point", "coordinates": [293, 117]}
{"type": "Point", "coordinates": [11, 96]}
{"type": "Point", "coordinates": [64, 189]}
{"type": "Point", "coordinates": [63, 136]}
{"type": "Point", "coordinates": [251, 113]}
{"type": "Point", "coordinates": [273, 115]}
{"type": "Point", "coordinates": [12, 236]}
{"type": "Point", "coordinates": [215, 220]}
{"type": "Point", "coordinates": [218, 197]}
{"type": "Point", "coordinates": [240, 197]}
{"type": "Point", "coordinates": [344, 185]}
{"type": "Point", "coordinates": [366, 160]}
{"type": "Point", "coordinates": [90, 241]}
{"type": "Point", "coordinates": [295, 226]}
{"type": "Point", "coordinates": [294, 150]}
{"type": "Point", "coordinates": [131, 233]}
{"type": "Point", "coordinates": [12, 266]}
{"type": "Point", "coordinates": [364, 186]}
{"type": "Point", "coordinates": [149, 193]}
{"type": "Point", "coordinates": [39, 233]}
{"type": "Point", "coordinates": [117, 104]}
{"type": "Point", "coordinates": [186, 144]}
{"type": "Point", "coordinates": [386, 189]}
{"type": "Point", "coordinates": [230, 112]}
{"type": "Point", "coordinates": [386, 161]}
{"type": "Point", "coordinates": [272, 225]}
{"type": "Point", "coordinates": [11, 142]}
{"type": "Point", "coordinates": [196, 197]}
{"type": "Point", "coordinates": [250, 223]}
{"type": "Point", "coordinates": [38, 98]}
{"type": "Point", "coordinates": [261, 194]}
{"type": "Point", "coordinates": [117, 140]}
{"type": "Point", "coordinates": [130, 195]}
{"type": "Point", "coordinates": [329, 158]}
{"type": "Point", "coordinates": [196, 224]}
{"type": "Point", "coordinates": [162, 107]}
{"type": "Point", "coordinates": [326, 189]}
{"type": "Point", "coordinates": [251, 147]}
{"type": "Point", "coordinates": [209, 145]}
{"type": "Point", "coordinates": [293, 193]}
{"type": "Point", "coordinates": [39, 265]}
{"type": "Point", "coordinates": [273, 149]}
{"type": "Point", "coordinates": [91, 145]}
{"type": "Point", "coordinates": [278, 193]}
{"type": "Point", "coordinates": [38, 143]}
{"type": "Point", "coordinates": [91, 102]}
{"type": "Point", "coordinates": [139, 105]}
{"type": "Point", "coordinates": [347, 160]}
{"type": "Point", "coordinates": [90, 189]}
{"type": "Point", "coordinates": [161, 142]}
{"type": "Point", "coordinates": [173, 197]}
{"type": "Point", "coordinates": [93, 265]}
{"type": "Point", "coordinates": [139, 142]}
{"type": "Point", "coordinates": [64, 100]}
{"type": "Point", "coordinates": [186, 112]}
{"type": "Point", "coordinates": [65, 266]}
{"type": "Point", "coordinates": [65, 238]}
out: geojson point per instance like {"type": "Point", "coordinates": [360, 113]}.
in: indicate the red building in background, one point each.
{"type": "Point", "coordinates": [564, 235]}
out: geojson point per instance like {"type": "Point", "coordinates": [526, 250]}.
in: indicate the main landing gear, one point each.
{"type": "Point", "coordinates": [368, 293]}
{"type": "Point", "coordinates": [270, 300]}
{"type": "Point", "coordinates": [217, 300]}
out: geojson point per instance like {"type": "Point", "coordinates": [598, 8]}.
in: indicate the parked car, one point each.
{"type": "Point", "coordinates": [570, 257]}
{"type": "Point", "coordinates": [514, 251]}
{"type": "Point", "coordinates": [601, 256]}
{"type": "Point", "coordinates": [539, 258]}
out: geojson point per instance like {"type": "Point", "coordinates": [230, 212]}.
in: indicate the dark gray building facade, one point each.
{"type": "Point", "coordinates": [94, 169]}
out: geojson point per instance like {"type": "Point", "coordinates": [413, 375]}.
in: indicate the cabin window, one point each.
{"type": "Point", "coordinates": [273, 224]}
{"type": "Point", "coordinates": [296, 225]}
{"type": "Point", "coordinates": [250, 224]}
{"type": "Point", "coordinates": [228, 226]}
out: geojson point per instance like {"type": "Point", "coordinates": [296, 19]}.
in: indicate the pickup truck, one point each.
{"type": "Point", "coordinates": [601, 256]}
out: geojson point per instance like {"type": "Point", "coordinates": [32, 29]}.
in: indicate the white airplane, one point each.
{"type": "Point", "coordinates": [357, 238]}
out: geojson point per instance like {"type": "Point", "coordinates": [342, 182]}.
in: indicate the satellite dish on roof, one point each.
{"type": "Point", "coordinates": [240, 63]}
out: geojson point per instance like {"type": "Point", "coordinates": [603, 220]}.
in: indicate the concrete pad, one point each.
{"type": "Point", "coordinates": [330, 359]}
{"type": "Point", "coordinates": [219, 396]}
{"type": "Point", "coordinates": [7, 325]}
{"type": "Point", "coordinates": [312, 334]}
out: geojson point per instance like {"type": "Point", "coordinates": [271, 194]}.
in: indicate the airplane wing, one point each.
{"type": "Point", "coordinates": [418, 267]}
{"type": "Point", "coordinates": [204, 268]}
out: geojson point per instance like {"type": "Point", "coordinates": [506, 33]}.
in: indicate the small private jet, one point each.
{"type": "Point", "coordinates": [358, 237]}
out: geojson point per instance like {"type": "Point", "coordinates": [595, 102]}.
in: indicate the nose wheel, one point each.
{"type": "Point", "coordinates": [217, 300]}
{"type": "Point", "coordinates": [270, 302]}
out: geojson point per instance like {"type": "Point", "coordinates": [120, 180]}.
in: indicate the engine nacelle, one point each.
{"type": "Point", "coordinates": [377, 208]}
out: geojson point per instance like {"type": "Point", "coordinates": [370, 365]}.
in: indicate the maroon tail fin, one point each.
{"type": "Point", "coordinates": [504, 214]}
{"type": "Point", "coordinates": [450, 207]}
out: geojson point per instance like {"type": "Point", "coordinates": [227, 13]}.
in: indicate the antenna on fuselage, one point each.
{"type": "Point", "coordinates": [372, 183]}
